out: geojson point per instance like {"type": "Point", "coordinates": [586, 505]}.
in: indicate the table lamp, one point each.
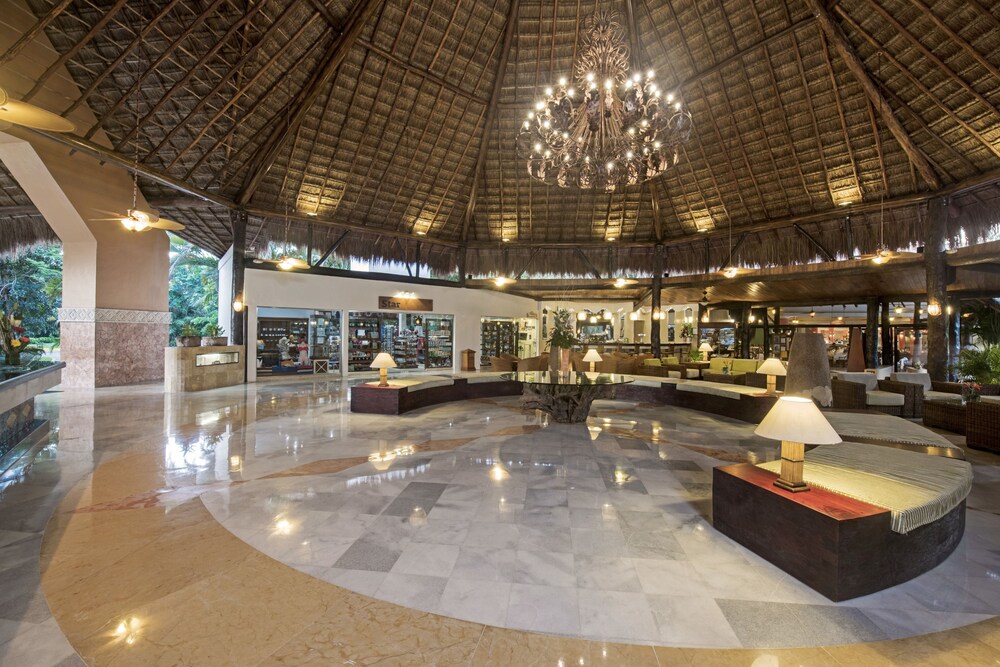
{"type": "Point", "coordinates": [772, 367]}
{"type": "Point", "coordinates": [795, 421]}
{"type": "Point", "coordinates": [593, 357]}
{"type": "Point", "coordinates": [706, 348]}
{"type": "Point", "coordinates": [383, 362]}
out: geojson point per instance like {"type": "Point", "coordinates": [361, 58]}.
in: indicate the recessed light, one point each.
{"type": "Point", "coordinates": [612, 239]}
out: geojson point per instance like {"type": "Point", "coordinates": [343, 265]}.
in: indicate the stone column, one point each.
{"type": "Point", "coordinates": [937, 288]}
{"type": "Point", "coordinates": [871, 332]}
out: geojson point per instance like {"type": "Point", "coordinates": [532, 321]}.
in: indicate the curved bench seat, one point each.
{"type": "Point", "coordinates": [405, 394]}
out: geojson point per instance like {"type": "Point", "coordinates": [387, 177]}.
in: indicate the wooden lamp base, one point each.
{"type": "Point", "coordinates": [383, 377]}
{"type": "Point", "coordinates": [792, 461]}
{"type": "Point", "coordinates": [772, 384]}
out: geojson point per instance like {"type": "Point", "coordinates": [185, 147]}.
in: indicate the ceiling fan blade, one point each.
{"type": "Point", "coordinates": [28, 115]}
{"type": "Point", "coordinates": [163, 223]}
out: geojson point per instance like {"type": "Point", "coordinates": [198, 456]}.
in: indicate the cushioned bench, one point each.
{"type": "Point", "coordinates": [405, 394]}
{"type": "Point", "coordinates": [861, 391]}
{"type": "Point", "coordinates": [874, 518]}
{"type": "Point", "coordinates": [881, 429]}
{"type": "Point", "coordinates": [748, 404]}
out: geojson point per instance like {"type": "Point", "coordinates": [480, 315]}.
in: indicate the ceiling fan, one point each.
{"type": "Point", "coordinates": [137, 220]}
{"type": "Point", "coordinates": [28, 115]}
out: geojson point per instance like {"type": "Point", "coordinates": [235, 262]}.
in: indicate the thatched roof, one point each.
{"type": "Point", "coordinates": [393, 117]}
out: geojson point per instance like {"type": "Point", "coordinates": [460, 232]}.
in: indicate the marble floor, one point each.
{"type": "Point", "coordinates": [266, 524]}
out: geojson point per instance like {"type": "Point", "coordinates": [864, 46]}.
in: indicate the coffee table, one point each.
{"type": "Point", "coordinates": [566, 397]}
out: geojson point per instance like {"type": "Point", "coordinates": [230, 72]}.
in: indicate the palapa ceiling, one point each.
{"type": "Point", "coordinates": [396, 119]}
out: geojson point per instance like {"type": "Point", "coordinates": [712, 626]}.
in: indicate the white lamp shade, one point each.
{"type": "Point", "coordinates": [383, 360]}
{"type": "Point", "coordinates": [797, 419]}
{"type": "Point", "coordinates": [705, 347]}
{"type": "Point", "coordinates": [592, 355]}
{"type": "Point", "coordinates": [772, 366]}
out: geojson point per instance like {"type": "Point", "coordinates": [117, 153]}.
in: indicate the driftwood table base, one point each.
{"type": "Point", "coordinates": [567, 404]}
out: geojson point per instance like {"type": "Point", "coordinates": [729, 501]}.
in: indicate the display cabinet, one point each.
{"type": "Point", "coordinates": [438, 342]}
{"type": "Point", "coordinates": [364, 340]}
{"type": "Point", "coordinates": [498, 337]}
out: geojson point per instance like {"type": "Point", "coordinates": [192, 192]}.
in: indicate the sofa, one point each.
{"type": "Point", "coordinates": [864, 391]}
{"type": "Point", "coordinates": [929, 390]}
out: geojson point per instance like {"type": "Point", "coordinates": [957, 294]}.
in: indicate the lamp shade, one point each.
{"type": "Point", "coordinates": [383, 360]}
{"type": "Point", "coordinates": [772, 366]}
{"type": "Point", "coordinates": [592, 355]}
{"type": "Point", "coordinates": [797, 419]}
{"type": "Point", "coordinates": [705, 347]}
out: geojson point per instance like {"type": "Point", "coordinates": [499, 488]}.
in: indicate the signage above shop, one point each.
{"type": "Point", "coordinates": [404, 303]}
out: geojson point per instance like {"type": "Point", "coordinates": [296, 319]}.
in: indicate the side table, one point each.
{"type": "Point", "coordinates": [321, 365]}
{"type": "Point", "coordinates": [948, 415]}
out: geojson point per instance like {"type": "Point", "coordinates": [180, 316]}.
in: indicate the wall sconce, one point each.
{"type": "Point", "coordinates": [934, 309]}
{"type": "Point", "coordinates": [238, 305]}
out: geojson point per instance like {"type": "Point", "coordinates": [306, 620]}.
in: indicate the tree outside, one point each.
{"type": "Point", "coordinates": [33, 280]}
{"type": "Point", "coordinates": [194, 287]}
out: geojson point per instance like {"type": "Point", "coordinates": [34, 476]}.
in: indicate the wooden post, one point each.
{"type": "Point", "coordinates": [764, 322]}
{"type": "Point", "coordinates": [871, 333]}
{"type": "Point", "coordinates": [462, 252]}
{"type": "Point", "coordinates": [743, 331]}
{"type": "Point", "coordinates": [917, 334]}
{"type": "Point", "coordinates": [238, 221]}
{"type": "Point", "coordinates": [888, 342]}
{"type": "Point", "coordinates": [937, 288]}
{"type": "Point", "coordinates": [654, 329]}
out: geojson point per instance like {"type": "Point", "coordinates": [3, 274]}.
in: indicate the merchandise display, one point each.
{"type": "Point", "coordinates": [499, 337]}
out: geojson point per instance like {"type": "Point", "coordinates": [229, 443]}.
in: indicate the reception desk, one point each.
{"type": "Point", "coordinates": [20, 429]}
{"type": "Point", "coordinates": [199, 368]}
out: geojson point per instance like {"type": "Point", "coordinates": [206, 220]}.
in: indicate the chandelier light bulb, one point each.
{"type": "Point", "coordinates": [670, 97]}
{"type": "Point", "coordinates": [629, 155]}
{"type": "Point", "coordinates": [608, 83]}
{"type": "Point", "coordinates": [540, 106]}
{"type": "Point", "coordinates": [562, 81]}
{"type": "Point", "coordinates": [650, 74]}
{"type": "Point", "coordinates": [636, 77]}
{"type": "Point", "coordinates": [730, 272]}
{"type": "Point", "coordinates": [538, 148]}
{"type": "Point", "coordinates": [571, 92]}
{"type": "Point", "coordinates": [581, 316]}
{"type": "Point", "coordinates": [610, 166]}
{"type": "Point", "coordinates": [548, 91]}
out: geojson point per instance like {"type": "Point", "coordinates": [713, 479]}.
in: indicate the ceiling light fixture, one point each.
{"type": "Point", "coordinates": [608, 135]}
{"type": "Point", "coordinates": [501, 280]}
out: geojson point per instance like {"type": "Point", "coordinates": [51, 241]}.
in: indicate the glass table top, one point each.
{"type": "Point", "coordinates": [571, 378]}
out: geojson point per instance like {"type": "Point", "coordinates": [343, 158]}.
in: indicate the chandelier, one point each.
{"type": "Point", "coordinates": [609, 131]}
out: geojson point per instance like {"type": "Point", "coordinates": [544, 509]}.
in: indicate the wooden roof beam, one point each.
{"type": "Point", "coordinates": [325, 12]}
{"type": "Point", "coordinates": [839, 41]}
{"type": "Point", "coordinates": [296, 111]}
{"type": "Point", "coordinates": [491, 111]}
{"type": "Point", "coordinates": [827, 255]}
{"type": "Point", "coordinates": [586, 260]}
{"type": "Point", "coordinates": [33, 31]}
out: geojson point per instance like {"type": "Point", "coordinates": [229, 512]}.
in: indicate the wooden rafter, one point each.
{"type": "Point", "coordinates": [957, 39]}
{"type": "Point", "coordinates": [491, 110]}
{"type": "Point", "coordinates": [827, 255]}
{"type": "Point", "coordinates": [72, 51]}
{"type": "Point", "coordinates": [295, 113]}
{"type": "Point", "coordinates": [225, 79]}
{"type": "Point", "coordinates": [187, 32]}
{"type": "Point", "coordinates": [588, 263]}
{"type": "Point", "coordinates": [922, 87]}
{"type": "Point", "coordinates": [34, 31]}
{"type": "Point", "coordinates": [857, 68]}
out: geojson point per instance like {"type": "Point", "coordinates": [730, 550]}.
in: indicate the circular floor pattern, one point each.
{"type": "Point", "coordinates": [599, 531]}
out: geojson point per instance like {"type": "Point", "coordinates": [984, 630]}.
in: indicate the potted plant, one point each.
{"type": "Point", "coordinates": [687, 331]}
{"type": "Point", "coordinates": [561, 341]}
{"type": "Point", "coordinates": [189, 337]}
{"type": "Point", "coordinates": [981, 366]}
{"type": "Point", "coordinates": [695, 355]}
{"type": "Point", "coordinates": [213, 335]}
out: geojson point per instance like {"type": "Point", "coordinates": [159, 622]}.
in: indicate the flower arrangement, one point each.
{"type": "Point", "coordinates": [971, 391]}
{"type": "Point", "coordinates": [14, 340]}
{"type": "Point", "coordinates": [563, 336]}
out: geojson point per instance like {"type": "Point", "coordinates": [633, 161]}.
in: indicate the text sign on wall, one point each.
{"type": "Point", "coordinates": [404, 303]}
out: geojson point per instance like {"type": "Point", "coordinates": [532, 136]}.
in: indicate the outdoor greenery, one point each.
{"type": "Point", "coordinates": [984, 324]}
{"type": "Point", "coordinates": [194, 288]}
{"type": "Point", "coordinates": [33, 280]}
{"type": "Point", "coordinates": [979, 365]}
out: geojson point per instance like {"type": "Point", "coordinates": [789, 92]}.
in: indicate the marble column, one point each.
{"type": "Point", "coordinates": [937, 288]}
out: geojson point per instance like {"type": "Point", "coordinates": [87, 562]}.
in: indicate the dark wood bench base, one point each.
{"type": "Point", "coordinates": [841, 547]}
{"type": "Point", "coordinates": [372, 399]}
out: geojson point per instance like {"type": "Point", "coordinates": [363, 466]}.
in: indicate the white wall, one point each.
{"type": "Point", "coordinates": [299, 290]}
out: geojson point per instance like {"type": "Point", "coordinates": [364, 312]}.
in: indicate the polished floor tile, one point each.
{"type": "Point", "coordinates": [268, 525]}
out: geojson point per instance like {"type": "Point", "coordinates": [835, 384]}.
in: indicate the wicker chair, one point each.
{"type": "Point", "coordinates": [982, 425]}
{"type": "Point", "coordinates": [849, 395]}
{"type": "Point", "coordinates": [502, 364]}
